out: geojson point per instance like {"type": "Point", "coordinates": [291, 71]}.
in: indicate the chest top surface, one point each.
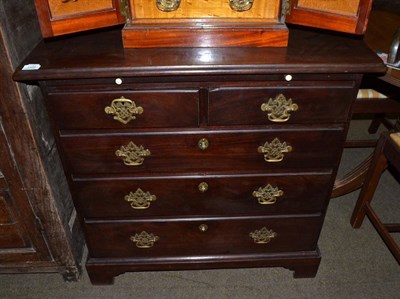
{"type": "Point", "coordinates": [101, 55]}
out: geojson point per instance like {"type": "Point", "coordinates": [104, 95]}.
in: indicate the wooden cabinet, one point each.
{"type": "Point", "coordinates": [38, 230]}
{"type": "Point", "coordinates": [194, 158]}
{"type": "Point", "coordinates": [59, 17]}
{"type": "Point", "coordinates": [338, 15]}
{"type": "Point", "coordinates": [202, 23]}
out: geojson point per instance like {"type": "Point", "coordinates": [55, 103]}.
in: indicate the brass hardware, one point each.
{"type": "Point", "coordinates": [240, 5]}
{"type": "Point", "coordinates": [132, 154]}
{"type": "Point", "coordinates": [144, 239]}
{"type": "Point", "coordinates": [267, 195]}
{"type": "Point", "coordinates": [203, 187]}
{"type": "Point", "coordinates": [124, 9]}
{"type": "Point", "coordinates": [203, 227]}
{"type": "Point", "coordinates": [279, 108]}
{"type": "Point", "coordinates": [203, 144]}
{"type": "Point", "coordinates": [286, 8]}
{"type": "Point", "coordinates": [168, 5]}
{"type": "Point", "coordinates": [124, 110]}
{"type": "Point", "coordinates": [263, 236]}
{"type": "Point", "coordinates": [140, 200]}
{"type": "Point", "coordinates": [273, 152]}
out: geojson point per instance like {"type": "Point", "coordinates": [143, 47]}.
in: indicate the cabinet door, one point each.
{"type": "Point", "coordinates": [58, 17]}
{"type": "Point", "coordinates": [349, 16]}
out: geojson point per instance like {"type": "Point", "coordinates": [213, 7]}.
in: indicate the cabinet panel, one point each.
{"type": "Point", "coordinates": [10, 235]}
{"type": "Point", "coordinates": [349, 16]}
{"type": "Point", "coordinates": [58, 17]}
{"type": "Point", "coordinates": [66, 8]}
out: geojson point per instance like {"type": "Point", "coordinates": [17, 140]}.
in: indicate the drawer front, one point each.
{"type": "Point", "coordinates": [247, 151]}
{"type": "Point", "coordinates": [264, 106]}
{"type": "Point", "coordinates": [214, 196]}
{"type": "Point", "coordinates": [164, 238]}
{"type": "Point", "coordinates": [119, 110]}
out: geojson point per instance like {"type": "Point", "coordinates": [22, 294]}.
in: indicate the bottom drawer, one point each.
{"type": "Point", "coordinates": [185, 237]}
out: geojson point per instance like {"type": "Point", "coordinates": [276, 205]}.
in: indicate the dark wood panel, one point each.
{"type": "Point", "coordinates": [185, 238]}
{"type": "Point", "coordinates": [11, 238]}
{"type": "Point", "coordinates": [106, 198]}
{"type": "Point", "coordinates": [161, 108]}
{"type": "Point", "coordinates": [13, 235]}
{"type": "Point", "coordinates": [322, 104]}
{"type": "Point", "coordinates": [154, 35]}
{"type": "Point", "coordinates": [333, 19]}
{"type": "Point", "coordinates": [179, 151]}
{"type": "Point", "coordinates": [102, 55]}
{"type": "Point", "coordinates": [91, 19]}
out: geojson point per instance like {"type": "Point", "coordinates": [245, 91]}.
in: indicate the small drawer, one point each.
{"type": "Point", "coordinates": [120, 110]}
{"type": "Point", "coordinates": [206, 195]}
{"type": "Point", "coordinates": [264, 106]}
{"type": "Point", "coordinates": [211, 236]}
{"type": "Point", "coordinates": [203, 152]}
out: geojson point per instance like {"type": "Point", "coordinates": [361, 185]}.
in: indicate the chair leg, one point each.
{"type": "Point", "coordinates": [383, 232]}
{"type": "Point", "coordinates": [376, 122]}
{"type": "Point", "coordinates": [378, 165]}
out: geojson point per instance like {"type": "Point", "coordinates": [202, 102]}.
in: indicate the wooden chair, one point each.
{"type": "Point", "coordinates": [387, 152]}
{"type": "Point", "coordinates": [380, 97]}
{"type": "Point", "coordinates": [383, 34]}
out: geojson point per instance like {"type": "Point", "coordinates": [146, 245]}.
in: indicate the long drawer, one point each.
{"type": "Point", "coordinates": [180, 237]}
{"type": "Point", "coordinates": [201, 195]}
{"type": "Point", "coordinates": [264, 106]}
{"type": "Point", "coordinates": [125, 109]}
{"type": "Point", "coordinates": [200, 152]}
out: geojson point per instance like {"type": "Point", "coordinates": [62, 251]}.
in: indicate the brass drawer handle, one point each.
{"type": "Point", "coordinates": [203, 228]}
{"type": "Point", "coordinates": [168, 5]}
{"type": "Point", "coordinates": [279, 108]}
{"type": "Point", "coordinates": [144, 240]}
{"type": "Point", "coordinates": [203, 187]}
{"type": "Point", "coordinates": [124, 110]}
{"type": "Point", "coordinates": [273, 152]}
{"type": "Point", "coordinates": [203, 144]}
{"type": "Point", "coordinates": [132, 155]}
{"type": "Point", "coordinates": [263, 236]}
{"type": "Point", "coordinates": [240, 5]}
{"type": "Point", "coordinates": [140, 200]}
{"type": "Point", "coordinates": [267, 195]}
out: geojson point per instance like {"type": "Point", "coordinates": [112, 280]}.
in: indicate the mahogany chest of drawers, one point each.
{"type": "Point", "coordinates": [200, 158]}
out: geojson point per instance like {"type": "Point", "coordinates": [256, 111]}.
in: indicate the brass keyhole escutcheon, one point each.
{"type": "Point", "coordinates": [203, 187]}
{"type": "Point", "coordinates": [203, 144]}
{"type": "Point", "coordinates": [203, 228]}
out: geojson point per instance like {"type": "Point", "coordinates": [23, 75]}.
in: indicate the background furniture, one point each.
{"type": "Point", "coordinates": [38, 230]}
{"type": "Point", "coordinates": [379, 36]}
{"type": "Point", "coordinates": [387, 153]}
